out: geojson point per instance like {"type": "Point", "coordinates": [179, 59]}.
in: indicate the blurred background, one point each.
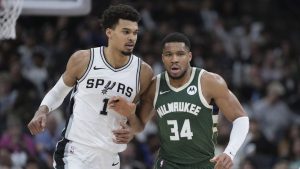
{"type": "Point", "coordinates": [253, 45]}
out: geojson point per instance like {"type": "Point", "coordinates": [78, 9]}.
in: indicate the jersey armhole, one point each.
{"type": "Point", "coordinates": [156, 89]}
{"type": "Point", "coordinates": [203, 100]}
{"type": "Point", "coordinates": [138, 76]}
{"type": "Point", "coordinates": [89, 66]}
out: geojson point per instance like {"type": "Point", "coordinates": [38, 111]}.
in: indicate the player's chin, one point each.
{"type": "Point", "coordinates": [175, 74]}
{"type": "Point", "coordinates": [129, 48]}
{"type": "Point", "coordinates": [126, 52]}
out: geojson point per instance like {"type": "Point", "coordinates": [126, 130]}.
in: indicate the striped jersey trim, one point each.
{"type": "Point", "coordinates": [156, 89]}
{"type": "Point", "coordinates": [71, 110]}
{"type": "Point", "coordinates": [59, 154]}
{"type": "Point", "coordinates": [203, 100]}
{"type": "Point", "coordinates": [138, 75]}
{"type": "Point", "coordinates": [61, 145]}
{"type": "Point", "coordinates": [89, 66]}
{"type": "Point", "coordinates": [183, 86]}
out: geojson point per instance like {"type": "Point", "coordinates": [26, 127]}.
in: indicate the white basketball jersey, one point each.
{"type": "Point", "coordinates": [91, 123]}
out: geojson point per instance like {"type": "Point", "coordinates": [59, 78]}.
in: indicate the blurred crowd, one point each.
{"type": "Point", "coordinates": [253, 45]}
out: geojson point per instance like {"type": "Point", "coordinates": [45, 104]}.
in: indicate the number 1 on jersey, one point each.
{"type": "Point", "coordinates": [103, 111]}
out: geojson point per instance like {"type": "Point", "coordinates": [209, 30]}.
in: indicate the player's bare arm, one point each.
{"type": "Point", "coordinates": [215, 87]}
{"type": "Point", "coordinates": [120, 105]}
{"type": "Point", "coordinates": [137, 122]}
{"type": "Point", "coordinates": [146, 109]}
{"type": "Point", "coordinates": [75, 69]}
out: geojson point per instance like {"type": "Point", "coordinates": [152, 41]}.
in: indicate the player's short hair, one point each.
{"type": "Point", "coordinates": [176, 37]}
{"type": "Point", "coordinates": [111, 15]}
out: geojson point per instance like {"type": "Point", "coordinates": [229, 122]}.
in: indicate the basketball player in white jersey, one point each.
{"type": "Point", "coordinates": [95, 75]}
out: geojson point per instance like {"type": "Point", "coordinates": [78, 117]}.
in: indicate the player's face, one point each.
{"type": "Point", "coordinates": [123, 37]}
{"type": "Point", "coordinates": [176, 58]}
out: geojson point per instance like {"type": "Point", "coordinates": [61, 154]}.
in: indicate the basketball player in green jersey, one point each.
{"type": "Point", "coordinates": [181, 98]}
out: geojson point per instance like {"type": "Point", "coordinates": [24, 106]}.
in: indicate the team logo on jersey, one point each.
{"type": "Point", "coordinates": [108, 86]}
{"type": "Point", "coordinates": [191, 90]}
{"type": "Point", "coordinates": [114, 164]}
{"type": "Point", "coordinates": [163, 92]}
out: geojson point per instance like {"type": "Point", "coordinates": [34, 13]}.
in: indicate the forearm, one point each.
{"type": "Point", "coordinates": [135, 123]}
{"type": "Point", "coordinates": [56, 95]}
{"type": "Point", "coordinates": [237, 136]}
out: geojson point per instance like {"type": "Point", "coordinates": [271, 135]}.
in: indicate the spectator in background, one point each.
{"type": "Point", "coordinates": [272, 113]}
{"type": "Point", "coordinates": [20, 145]}
{"type": "Point", "coordinates": [282, 164]}
{"type": "Point", "coordinates": [27, 48]}
{"type": "Point", "coordinates": [129, 158]}
{"type": "Point", "coordinates": [5, 159]}
{"type": "Point", "coordinates": [257, 147]}
{"type": "Point", "coordinates": [8, 98]}
{"type": "Point", "coordinates": [295, 154]}
{"type": "Point", "coordinates": [27, 95]}
{"type": "Point", "coordinates": [38, 73]}
{"type": "Point", "coordinates": [32, 163]}
{"type": "Point", "coordinates": [248, 164]}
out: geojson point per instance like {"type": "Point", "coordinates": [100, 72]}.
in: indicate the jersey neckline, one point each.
{"type": "Point", "coordinates": [182, 87]}
{"type": "Point", "coordinates": [111, 67]}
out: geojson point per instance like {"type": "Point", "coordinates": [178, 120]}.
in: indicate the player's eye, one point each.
{"type": "Point", "coordinates": [125, 32]}
{"type": "Point", "coordinates": [135, 32]}
{"type": "Point", "coordinates": [180, 53]}
{"type": "Point", "coordinates": [167, 54]}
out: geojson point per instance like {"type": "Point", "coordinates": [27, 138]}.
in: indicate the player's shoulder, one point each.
{"type": "Point", "coordinates": [212, 82]}
{"type": "Point", "coordinates": [146, 70]}
{"type": "Point", "coordinates": [78, 62]}
{"type": "Point", "coordinates": [146, 75]}
{"type": "Point", "coordinates": [210, 77]}
{"type": "Point", "coordinates": [80, 56]}
{"type": "Point", "coordinates": [146, 66]}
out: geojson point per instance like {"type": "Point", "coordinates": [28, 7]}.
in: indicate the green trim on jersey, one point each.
{"type": "Point", "coordinates": [186, 122]}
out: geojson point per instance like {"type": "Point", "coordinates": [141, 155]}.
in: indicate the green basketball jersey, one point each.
{"type": "Point", "coordinates": [186, 121]}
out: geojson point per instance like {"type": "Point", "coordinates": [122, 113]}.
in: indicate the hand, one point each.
{"type": "Point", "coordinates": [223, 161]}
{"type": "Point", "coordinates": [123, 135]}
{"type": "Point", "coordinates": [121, 105]}
{"type": "Point", "coordinates": [38, 122]}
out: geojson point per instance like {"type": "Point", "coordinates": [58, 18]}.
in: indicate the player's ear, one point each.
{"type": "Point", "coordinates": [190, 56]}
{"type": "Point", "coordinates": [108, 32]}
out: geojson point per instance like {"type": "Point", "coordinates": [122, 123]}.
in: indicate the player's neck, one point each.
{"type": "Point", "coordinates": [183, 80]}
{"type": "Point", "coordinates": [115, 58]}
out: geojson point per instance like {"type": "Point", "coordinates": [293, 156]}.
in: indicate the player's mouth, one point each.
{"type": "Point", "coordinates": [129, 46]}
{"type": "Point", "coordinates": [175, 69]}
